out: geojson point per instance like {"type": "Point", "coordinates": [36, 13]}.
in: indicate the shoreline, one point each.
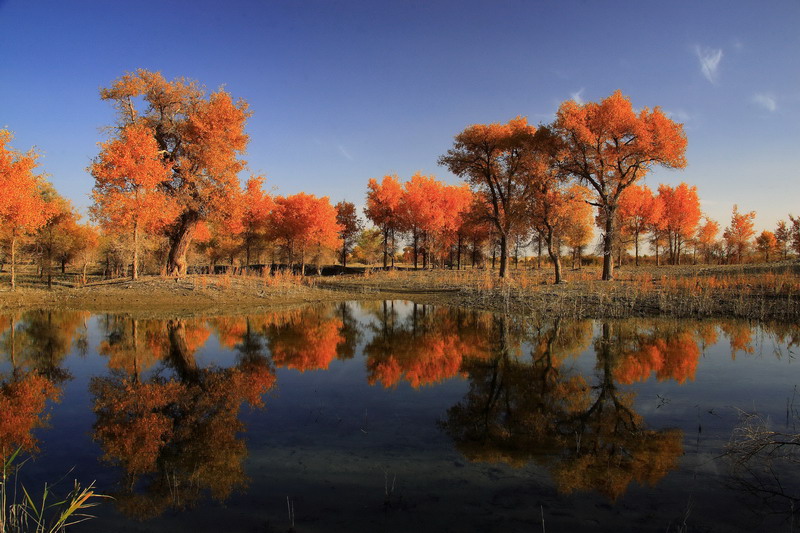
{"type": "Point", "coordinates": [747, 292]}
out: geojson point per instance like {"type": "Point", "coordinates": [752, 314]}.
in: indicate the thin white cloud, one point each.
{"type": "Point", "coordinates": [679, 115]}
{"type": "Point", "coordinates": [344, 152]}
{"type": "Point", "coordinates": [767, 101]}
{"type": "Point", "coordinates": [709, 61]}
{"type": "Point", "coordinates": [577, 96]}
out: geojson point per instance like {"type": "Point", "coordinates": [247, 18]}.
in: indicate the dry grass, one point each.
{"type": "Point", "coordinates": [752, 291]}
{"type": "Point", "coordinates": [761, 291]}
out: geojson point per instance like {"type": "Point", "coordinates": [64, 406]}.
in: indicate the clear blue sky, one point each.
{"type": "Point", "coordinates": [343, 91]}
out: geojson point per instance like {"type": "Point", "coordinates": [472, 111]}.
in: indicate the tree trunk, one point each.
{"type": "Point", "coordinates": [180, 242]}
{"type": "Point", "coordinates": [503, 256]}
{"type": "Point", "coordinates": [135, 274]}
{"type": "Point", "coordinates": [415, 244]}
{"type": "Point", "coordinates": [555, 257]}
{"type": "Point", "coordinates": [13, 262]}
{"type": "Point", "coordinates": [539, 257]}
{"type": "Point", "coordinates": [608, 244]}
{"type": "Point", "coordinates": [636, 247]}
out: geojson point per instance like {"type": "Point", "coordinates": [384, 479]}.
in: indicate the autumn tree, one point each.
{"type": "Point", "coordinates": [54, 240]}
{"type": "Point", "coordinates": [128, 194]}
{"type": "Point", "coordinates": [421, 211]}
{"type": "Point", "coordinates": [492, 159]}
{"type": "Point", "coordinates": [609, 147]}
{"type": "Point", "coordinates": [200, 139]}
{"type": "Point", "coordinates": [638, 211]}
{"type": "Point", "coordinates": [766, 243]}
{"type": "Point", "coordinates": [257, 206]}
{"type": "Point", "coordinates": [456, 204]}
{"type": "Point", "coordinates": [680, 216]}
{"type": "Point", "coordinates": [22, 207]}
{"type": "Point", "coordinates": [351, 225]}
{"type": "Point", "coordinates": [549, 199]}
{"type": "Point", "coordinates": [795, 233]}
{"type": "Point", "coordinates": [577, 225]}
{"type": "Point", "coordinates": [737, 236]}
{"type": "Point", "coordinates": [306, 224]}
{"type": "Point", "coordinates": [383, 209]}
{"type": "Point", "coordinates": [707, 236]}
{"type": "Point", "coordinates": [782, 237]}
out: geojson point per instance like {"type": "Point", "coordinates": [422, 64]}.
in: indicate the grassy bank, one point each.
{"type": "Point", "coordinates": [769, 291]}
{"type": "Point", "coordinates": [762, 292]}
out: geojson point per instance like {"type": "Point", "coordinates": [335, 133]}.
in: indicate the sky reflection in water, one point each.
{"type": "Point", "coordinates": [397, 415]}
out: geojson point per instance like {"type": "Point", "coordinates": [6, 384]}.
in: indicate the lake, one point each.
{"type": "Point", "coordinates": [394, 416]}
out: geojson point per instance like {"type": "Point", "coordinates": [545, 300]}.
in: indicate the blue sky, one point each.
{"type": "Point", "coordinates": [343, 91]}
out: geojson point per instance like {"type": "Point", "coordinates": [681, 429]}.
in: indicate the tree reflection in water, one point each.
{"type": "Point", "coordinates": [176, 433]}
{"type": "Point", "coordinates": [586, 434]}
{"type": "Point", "coordinates": [35, 344]}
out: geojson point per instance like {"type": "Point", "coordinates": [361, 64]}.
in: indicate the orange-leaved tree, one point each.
{"type": "Point", "coordinates": [609, 147]}
{"type": "Point", "coordinates": [128, 193]}
{"type": "Point", "coordinates": [766, 243]}
{"type": "Point", "coordinates": [257, 206]}
{"type": "Point", "coordinates": [200, 139]}
{"type": "Point", "coordinates": [638, 211]}
{"type": "Point", "coordinates": [680, 217]}
{"type": "Point", "coordinates": [707, 236]}
{"type": "Point", "coordinates": [737, 236]}
{"type": "Point", "coordinates": [22, 208]}
{"type": "Point", "coordinates": [305, 224]}
{"type": "Point", "coordinates": [351, 225]}
{"type": "Point", "coordinates": [421, 211]}
{"type": "Point", "coordinates": [492, 159]}
{"type": "Point", "coordinates": [383, 209]}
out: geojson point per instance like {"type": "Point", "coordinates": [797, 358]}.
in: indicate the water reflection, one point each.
{"type": "Point", "coordinates": [35, 345]}
{"type": "Point", "coordinates": [176, 432]}
{"type": "Point", "coordinates": [171, 424]}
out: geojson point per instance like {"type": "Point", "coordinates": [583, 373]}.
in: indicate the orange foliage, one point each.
{"type": "Point", "coordinates": [738, 234]}
{"type": "Point", "coordinates": [200, 141]}
{"type": "Point", "coordinates": [23, 398]}
{"type": "Point", "coordinates": [22, 208]}
{"type": "Point", "coordinates": [490, 158]}
{"type": "Point", "coordinates": [306, 224]}
{"type": "Point", "coordinates": [680, 217]}
{"type": "Point", "coordinates": [383, 209]}
{"type": "Point", "coordinates": [610, 147]}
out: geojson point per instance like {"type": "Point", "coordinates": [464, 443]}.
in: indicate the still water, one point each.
{"type": "Point", "coordinates": [393, 416]}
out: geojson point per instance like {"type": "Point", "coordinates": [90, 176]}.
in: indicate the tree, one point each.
{"type": "Point", "coordinates": [54, 239]}
{"type": "Point", "coordinates": [368, 246]}
{"type": "Point", "coordinates": [737, 236]}
{"type": "Point", "coordinates": [492, 159]}
{"type": "Point", "coordinates": [549, 199]}
{"type": "Point", "coordinates": [351, 225]}
{"type": "Point", "coordinates": [306, 224]}
{"type": "Point", "coordinates": [638, 211]}
{"type": "Point", "coordinates": [257, 206]}
{"type": "Point", "coordinates": [610, 147]}
{"type": "Point", "coordinates": [783, 236]}
{"type": "Point", "coordinates": [383, 209]}
{"type": "Point", "coordinates": [422, 211]}
{"type": "Point", "coordinates": [795, 233]}
{"type": "Point", "coordinates": [707, 236]}
{"type": "Point", "coordinates": [200, 139]}
{"type": "Point", "coordinates": [127, 193]}
{"type": "Point", "coordinates": [578, 223]}
{"type": "Point", "coordinates": [87, 241]}
{"type": "Point", "coordinates": [765, 243]}
{"type": "Point", "coordinates": [22, 207]}
{"type": "Point", "coordinates": [680, 216]}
